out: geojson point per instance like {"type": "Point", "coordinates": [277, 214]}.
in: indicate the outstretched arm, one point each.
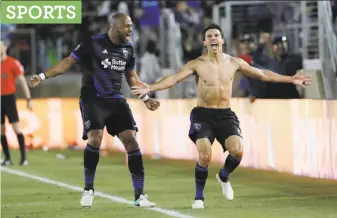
{"type": "Point", "coordinates": [61, 67]}
{"type": "Point", "coordinates": [58, 69]}
{"type": "Point", "coordinates": [270, 76]}
{"type": "Point", "coordinates": [167, 82]}
{"type": "Point", "coordinates": [171, 80]}
{"type": "Point", "coordinates": [133, 80]}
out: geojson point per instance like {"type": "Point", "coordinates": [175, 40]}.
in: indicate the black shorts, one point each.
{"type": "Point", "coordinates": [213, 124]}
{"type": "Point", "coordinates": [8, 108]}
{"type": "Point", "coordinates": [115, 114]}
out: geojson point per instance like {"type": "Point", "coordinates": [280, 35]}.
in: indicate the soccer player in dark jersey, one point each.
{"type": "Point", "coordinates": [106, 58]}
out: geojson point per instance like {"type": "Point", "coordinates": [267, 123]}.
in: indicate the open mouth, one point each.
{"type": "Point", "coordinates": [214, 45]}
{"type": "Point", "coordinates": [128, 36]}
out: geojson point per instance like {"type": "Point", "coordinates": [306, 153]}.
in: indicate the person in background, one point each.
{"type": "Point", "coordinates": [283, 63]}
{"type": "Point", "coordinates": [11, 69]}
{"type": "Point", "coordinates": [150, 68]}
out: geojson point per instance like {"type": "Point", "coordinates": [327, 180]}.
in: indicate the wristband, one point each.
{"type": "Point", "coordinates": [145, 98]}
{"type": "Point", "coordinates": [42, 76]}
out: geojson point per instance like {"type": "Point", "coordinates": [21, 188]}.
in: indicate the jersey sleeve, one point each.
{"type": "Point", "coordinates": [130, 65]}
{"type": "Point", "coordinates": [18, 69]}
{"type": "Point", "coordinates": [79, 52]}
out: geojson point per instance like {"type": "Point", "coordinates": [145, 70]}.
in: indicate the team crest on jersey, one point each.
{"type": "Point", "coordinates": [4, 75]}
{"type": "Point", "coordinates": [87, 124]}
{"type": "Point", "coordinates": [197, 126]}
{"type": "Point", "coordinates": [125, 53]}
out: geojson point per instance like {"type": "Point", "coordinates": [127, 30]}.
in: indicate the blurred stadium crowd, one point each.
{"type": "Point", "coordinates": [254, 37]}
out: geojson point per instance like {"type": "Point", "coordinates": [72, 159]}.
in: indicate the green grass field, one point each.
{"type": "Point", "coordinates": [169, 183]}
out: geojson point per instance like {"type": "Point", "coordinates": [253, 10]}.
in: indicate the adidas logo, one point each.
{"type": "Point", "coordinates": [105, 51]}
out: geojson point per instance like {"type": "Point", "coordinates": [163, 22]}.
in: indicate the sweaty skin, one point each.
{"type": "Point", "coordinates": [215, 72]}
{"type": "Point", "coordinates": [214, 84]}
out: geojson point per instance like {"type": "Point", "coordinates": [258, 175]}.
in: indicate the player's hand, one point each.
{"type": "Point", "coordinates": [152, 104]}
{"type": "Point", "coordinates": [34, 80]}
{"type": "Point", "coordinates": [29, 105]}
{"type": "Point", "coordinates": [140, 90]}
{"type": "Point", "coordinates": [301, 80]}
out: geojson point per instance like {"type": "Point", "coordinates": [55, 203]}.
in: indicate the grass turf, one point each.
{"type": "Point", "coordinates": [170, 184]}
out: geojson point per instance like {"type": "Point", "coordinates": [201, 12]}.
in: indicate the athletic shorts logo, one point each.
{"type": "Point", "coordinates": [239, 131]}
{"type": "Point", "coordinates": [197, 126]}
{"type": "Point", "coordinates": [87, 124]}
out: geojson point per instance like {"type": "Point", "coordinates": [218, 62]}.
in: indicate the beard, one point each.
{"type": "Point", "coordinates": [121, 37]}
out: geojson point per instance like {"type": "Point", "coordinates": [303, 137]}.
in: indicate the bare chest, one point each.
{"type": "Point", "coordinates": [212, 74]}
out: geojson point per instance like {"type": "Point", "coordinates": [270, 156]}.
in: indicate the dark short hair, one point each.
{"type": "Point", "coordinates": [117, 17]}
{"type": "Point", "coordinates": [212, 26]}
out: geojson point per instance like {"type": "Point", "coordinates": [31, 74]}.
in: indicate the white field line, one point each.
{"type": "Point", "coordinates": [26, 204]}
{"type": "Point", "coordinates": [113, 198]}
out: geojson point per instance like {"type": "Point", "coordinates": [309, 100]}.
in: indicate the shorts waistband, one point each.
{"type": "Point", "coordinates": [214, 109]}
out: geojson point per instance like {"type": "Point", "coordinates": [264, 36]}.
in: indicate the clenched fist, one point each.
{"type": "Point", "coordinates": [152, 104]}
{"type": "Point", "coordinates": [34, 80]}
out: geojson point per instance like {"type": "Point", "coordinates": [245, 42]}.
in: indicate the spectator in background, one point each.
{"type": "Point", "coordinates": [151, 14]}
{"type": "Point", "coordinates": [195, 13]}
{"type": "Point", "coordinates": [334, 12]}
{"type": "Point", "coordinates": [263, 16]}
{"type": "Point", "coordinates": [181, 15]}
{"type": "Point", "coordinates": [188, 14]}
{"type": "Point", "coordinates": [149, 21]}
{"type": "Point", "coordinates": [192, 46]}
{"type": "Point", "coordinates": [6, 30]}
{"type": "Point", "coordinates": [247, 46]}
{"type": "Point", "coordinates": [207, 6]}
{"type": "Point", "coordinates": [291, 13]}
{"type": "Point", "coordinates": [254, 56]}
{"type": "Point", "coordinates": [283, 63]}
{"type": "Point", "coordinates": [259, 52]}
{"type": "Point", "coordinates": [150, 70]}
{"type": "Point", "coordinates": [196, 4]}
{"type": "Point", "coordinates": [168, 3]}
{"type": "Point", "coordinates": [104, 9]}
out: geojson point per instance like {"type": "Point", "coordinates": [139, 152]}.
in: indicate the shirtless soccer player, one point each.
{"type": "Point", "coordinates": [213, 118]}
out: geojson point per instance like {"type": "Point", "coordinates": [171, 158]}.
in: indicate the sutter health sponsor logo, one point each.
{"type": "Point", "coordinates": [41, 12]}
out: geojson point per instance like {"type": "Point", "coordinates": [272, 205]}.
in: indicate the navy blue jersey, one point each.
{"type": "Point", "coordinates": [105, 63]}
